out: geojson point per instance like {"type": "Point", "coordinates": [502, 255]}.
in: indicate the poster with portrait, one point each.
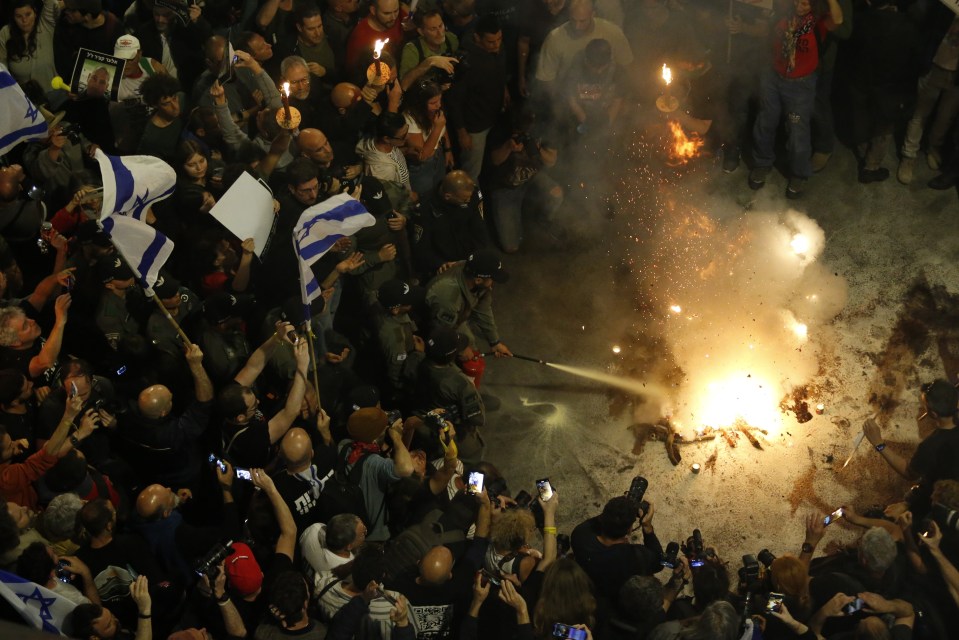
{"type": "Point", "coordinates": [96, 75]}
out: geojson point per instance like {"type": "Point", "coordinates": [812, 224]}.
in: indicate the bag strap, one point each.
{"type": "Point", "coordinates": [227, 447]}
{"type": "Point", "coordinates": [328, 587]}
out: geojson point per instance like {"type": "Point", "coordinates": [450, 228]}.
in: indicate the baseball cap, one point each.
{"type": "Point", "coordinates": [243, 572]}
{"type": "Point", "coordinates": [363, 396]}
{"type": "Point", "coordinates": [89, 232]}
{"type": "Point", "coordinates": [375, 198]}
{"type": "Point", "coordinates": [222, 306]}
{"type": "Point", "coordinates": [113, 268]}
{"type": "Point", "coordinates": [166, 286]}
{"type": "Point", "coordinates": [486, 264]}
{"type": "Point", "coordinates": [444, 343]}
{"type": "Point", "coordinates": [395, 293]}
{"type": "Point", "coordinates": [126, 47]}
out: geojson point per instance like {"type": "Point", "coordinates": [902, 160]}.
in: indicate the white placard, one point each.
{"type": "Point", "coordinates": [246, 209]}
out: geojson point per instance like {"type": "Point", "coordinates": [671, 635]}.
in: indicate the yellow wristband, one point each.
{"type": "Point", "coordinates": [549, 530]}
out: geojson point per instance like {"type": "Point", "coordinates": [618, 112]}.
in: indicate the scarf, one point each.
{"type": "Point", "coordinates": [796, 28]}
{"type": "Point", "coordinates": [360, 449]}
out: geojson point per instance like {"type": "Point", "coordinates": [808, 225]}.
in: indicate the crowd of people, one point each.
{"type": "Point", "coordinates": [216, 463]}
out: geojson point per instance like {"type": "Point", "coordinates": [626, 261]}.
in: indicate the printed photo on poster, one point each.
{"type": "Point", "coordinates": [96, 76]}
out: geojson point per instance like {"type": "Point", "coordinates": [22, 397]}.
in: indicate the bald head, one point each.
{"type": "Point", "coordinates": [457, 188]}
{"type": "Point", "coordinates": [215, 50]}
{"type": "Point", "coordinates": [344, 95]}
{"type": "Point", "coordinates": [581, 15]}
{"type": "Point", "coordinates": [155, 401]}
{"type": "Point", "coordinates": [156, 501]}
{"type": "Point", "coordinates": [436, 567]}
{"type": "Point", "coordinates": [296, 450]}
{"type": "Point", "coordinates": [313, 144]}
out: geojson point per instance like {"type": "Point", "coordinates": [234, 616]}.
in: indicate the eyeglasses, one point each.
{"type": "Point", "coordinates": [305, 80]}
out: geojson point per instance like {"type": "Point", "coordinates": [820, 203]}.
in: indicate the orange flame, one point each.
{"type": "Point", "coordinates": [286, 89]}
{"type": "Point", "coordinates": [667, 75]}
{"type": "Point", "coordinates": [378, 48]}
{"type": "Point", "coordinates": [684, 148]}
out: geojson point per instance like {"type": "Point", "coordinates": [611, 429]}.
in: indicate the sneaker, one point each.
{"type": "Point", "coordinates": [934, 159]}
{"type": "Point", "coordinates": [904, 174]}
{"type": "Point", "coordinates": [944, 181]}
{"type": "Point", "coordinates": [873, 175]}
{"type": "Point", "coordinates": [757, 177]}
{"type": "Point", "coordinates": [795, 188]}
{"type": "Point", "coordinates": [730, 159]}
{"type": "Point", "coordinates": [819, 161]}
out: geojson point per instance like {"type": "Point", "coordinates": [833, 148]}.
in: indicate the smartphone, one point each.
{"type": "Point", "coordinates": [475, 482]}
{"type": "Point", "coordinates": [696, 562]}
{"type": "Point", "coordinates": [62, 574]}
{"type": "Point", "coordinates": [489, 576]}
{"type": "Point", "coordinates": [545, 489]}
{"type": "Point", "coordinates": [96, 194]}
{"type": "Point", "coordinates": [293, 337]}
{"type": "Point", "coordinates": [637, 489]}
{"type": "Point", "coordinates": [393, 416]}
{"type": "Point", "coordinates": [775, 603]}
{"type": "Point", "coordinates": [219, 463]}
{"type": "Point", "coordinates": [561, 630]}
{"type": "Point", "coordinates": [853, 606]}
{"type": "Point", "coordinates": [74, 392]}
{"type": "Point", "coordinates": [243, 474]}
{"type": "Point", "coordinates": [382, 594]}
{"type": "Point", "coordinates": [832, 517]}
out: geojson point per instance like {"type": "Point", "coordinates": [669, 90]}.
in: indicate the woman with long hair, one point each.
{"type": "Point", "coordinates": [566, 597]}
{"type": "Point", "coordinates": [427, 143]}
{"type": "Point", "coordinates": [26, 43]}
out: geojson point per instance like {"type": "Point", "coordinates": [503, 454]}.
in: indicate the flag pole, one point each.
{"type": "Point", "coordinates": [150, 293]}
{"type": "Point", "coordinates": [316, 379]}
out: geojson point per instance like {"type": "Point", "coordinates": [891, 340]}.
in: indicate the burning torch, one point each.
{"type": "Point", "coordinates": [667, 103]}
{"type": "Point", "coordinates": [375, 72]}
{"type": "Point", "coordinates": [288, 117]}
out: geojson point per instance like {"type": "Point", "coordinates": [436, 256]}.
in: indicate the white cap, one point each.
{"type": "Point", "coordinates": [126, 47]}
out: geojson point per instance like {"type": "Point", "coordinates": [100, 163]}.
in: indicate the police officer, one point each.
{"type": "Point", "coordinates": [396, 333]}
{"type": "Point", "coordinates": [223, 338]}
{"type": "Point", "coordinates": [463, 295]}
{"type": "Point", "coordinates": [113, 316]}
{"type": "Point", "coordinates": [441, 384]}
{"type": "Point", "coordinates": [184, 307]}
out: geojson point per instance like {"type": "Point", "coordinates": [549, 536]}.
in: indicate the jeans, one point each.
{"type": "Point", "coordinates": [426, 176]}
{"type": "Point", "coordinates": [939, 85]}
{"type": "Point", "coordinates": [795, 97]}
{"type": "Point", "coordinates": [472, 161]}
{"type": "Point", "coordinates": [508, 208]}
{"type": "Point", "coordinates": [823, 130]}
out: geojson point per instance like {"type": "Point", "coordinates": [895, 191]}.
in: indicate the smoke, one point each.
{"type": "Point", "coordinates": [741, 305]}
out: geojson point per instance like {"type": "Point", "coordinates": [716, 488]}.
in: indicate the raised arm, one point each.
{"type": "Point", "coordinates": [257, 361]}
{"type": "Point", "coordinates": [51, 349]}
{"type": "Point", "coordinates": [286, 544]}
{"type": "Point", "coordinates": [280, 423]}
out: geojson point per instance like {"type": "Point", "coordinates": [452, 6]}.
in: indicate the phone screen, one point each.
{"type": "Point", "coordinates": [832, 517]}
{"type": "Point", "coordinates": [545, 489]}
{"type": "Point", "coordinates": [475, 482]}
{"type": "Point", "coordinates": [219, 463]}
{"type": "Point", "coordinates": [775, 602]}
{"type": "Point", "coordinates": [74, 392]}
{"type": "Point", "coordinates": [243, 474]}
{"type": "Point", "coordinates": [853, 606]}
{"type": "Point", "coordinates": [566, 631]}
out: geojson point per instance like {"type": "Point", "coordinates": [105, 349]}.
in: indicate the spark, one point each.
{"type": "Point", "coordinates": [800, 244]}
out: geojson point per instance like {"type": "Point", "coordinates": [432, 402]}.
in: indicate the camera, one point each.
{"type": "Point", "coordinates": [670, 557]}
{"type": "Point", "coordinates": [749, 573]}
{"type": "Point", "coordinates": [766, 557]}
{"type": "Point", "coordinates": [694, 549]}
{"type": "Point", "coordinates": [436, 420]}
{"type": "Point", "coordinates": [636, 491]}
{"type": "Point", "coordinates": [945, 517]}
{"type": "Point", "coordinates": [72, 132]}
{"type": "Point", "coordinates": [209, 564]}
{"type": "Point", "coordinates": [439, 76]}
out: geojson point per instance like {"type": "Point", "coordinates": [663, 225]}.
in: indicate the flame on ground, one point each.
{"type": "Point", "coordinates": [738, 398]}
{"type": "Point", "coordinates": [684, 148]}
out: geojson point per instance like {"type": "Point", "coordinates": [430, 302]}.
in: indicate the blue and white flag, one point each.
{"type": "Point", "coordinates": [318, 229]}
{"type": "Point", "coordinates": [144, 248]}
{"type": "Point", "coordinates": [19, 119]}
{"type": "Point", "coordinates": [39, 606]}
{"type": "Point", "coordinates": [132, 183]}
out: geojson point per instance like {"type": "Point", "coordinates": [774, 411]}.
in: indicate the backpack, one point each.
{"type": "Point", "coordinates": [405, 551]}
{"type": "Point", "coordinates": [342, 492]}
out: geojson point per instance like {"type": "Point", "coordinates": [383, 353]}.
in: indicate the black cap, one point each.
{"type": "Point", "coordinates": [89, 232]}
{"type": "Point", "coordinates": [166, 286]}
{"type": "Point", "coordinates": [112, 268]}
{"type": "Point", "coordinates": [444, 343]}
{"type": "Point", "coordinates": [395, 293]}
{"type": "Point", "coordinates": [363, 396]}
{"type": "Point", "coordinates": [375, 198]}
{"type": "Point", "coordinates": [485, 263]}
{"type": "Point", "coordinates": [222, 306]}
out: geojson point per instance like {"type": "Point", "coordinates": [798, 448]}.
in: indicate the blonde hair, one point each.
{"type": "Point", "coordinates": [510, 529]}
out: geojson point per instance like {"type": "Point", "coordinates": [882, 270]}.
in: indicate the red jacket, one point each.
{"type": "Point", "coordinates": [16, 480]}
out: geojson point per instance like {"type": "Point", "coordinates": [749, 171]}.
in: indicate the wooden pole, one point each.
{"type": "Point", "coordinates": [172, 321]}
{"type": "Point", "coordinates": [316, 378]}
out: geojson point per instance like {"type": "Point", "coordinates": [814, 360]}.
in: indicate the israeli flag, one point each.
{"type": "Point", "coordinates": [20, 120]}
{"type": "Point", "coordinates": [143, 248]}
{"type": "Point", "coordinates": [318, 229]}
{"type": "Point", "coordinates": [40, 607]}
{"type": "Point", "coordinates": [132, 183]}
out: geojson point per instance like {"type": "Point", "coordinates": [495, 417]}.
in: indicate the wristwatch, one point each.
{"type": "Point", "coordinates": [880, 446]}
{"type": "Point", "coordinates": [807, 548]}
